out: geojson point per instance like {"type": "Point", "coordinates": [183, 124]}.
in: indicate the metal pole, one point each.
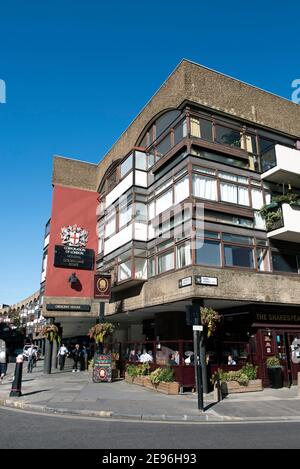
{"type": "Point", "coordinates": [199, 374]}
{"type": "Point", "coordinates": [101, 312]}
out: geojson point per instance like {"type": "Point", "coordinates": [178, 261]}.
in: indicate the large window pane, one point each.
{"type": "Point", "coordinates": [243, 196]}
{"type": "Point", "coordinates": [110, 224]}
{"type": "Point", "coordinates": [201, 128]}
{"type": "Point", "coordinates": [183, 255]}
{"type": "Point", "coordinates": [126, 166]}
{"type": "Point", "coordinates": [124, 271]}
{"type": "Point", "coordinates": [181, 189]}
{"type": "Point", "coordinates": [141, 160]}
{"type": "Point", "coordinates": [125, 214]}
{"type": "Point", "coordinates": [163, 146]}
{"type": "Point", "coordinates": [164, 201]}
{"type": "Point", "coordinates": [208, 253]}
{"type": "Point", "coordinates": [165, 262]}
{"type": "Point", "coordinates": [203, 187]}
{"type": "Point", "coordinates": [228, 136]}
{"type": "Point", "coordinates": [262, 259]}
{"type": "Point", "coordinates": [151, 267]}
{"type": "Point", "coordinates": [238, 256]}
{"type": "Point", "coordinates": [140, 268]}
{"type": "Point", "coordinates": [284, 262]}
{"type": "Point", "coordinates": [229, 193]}
{"type": "Point", "coordinates": [257, 199]}
{"type": "Point", "coordinates": [179, 132]}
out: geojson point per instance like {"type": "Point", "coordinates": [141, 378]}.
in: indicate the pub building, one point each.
{"type": "Point", "coordinates": [173, 213]}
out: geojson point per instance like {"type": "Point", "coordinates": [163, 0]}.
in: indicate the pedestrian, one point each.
{"type": "Point", "coordinates": [32, 357]}
{"type": "Point", "coordinates": [3, 359]}
{"type": "Point", "coordinates": [62, 353]}
{"type": "Point", "coordinates": [231, 361]}
{"type": "Point", "coordinates": [146, 357]}
{"type": "Point", "coordinates": [76, 354]}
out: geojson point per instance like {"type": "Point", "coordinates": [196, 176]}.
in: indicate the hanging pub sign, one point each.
{"type": "Point", "coordinates": [73, 253]}
{"type": "Point", "coordinates": [102, 287]}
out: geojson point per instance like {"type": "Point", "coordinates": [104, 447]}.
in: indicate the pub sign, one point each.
{"type": "Point", "coordinates": [102, 287]}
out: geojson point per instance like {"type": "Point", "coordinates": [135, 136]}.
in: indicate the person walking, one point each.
{"type": "Point", "coordinates": [3, 359]}
{"type": "Point", "coordinates": [61, 355]}
{"type": "Point", "coordinates": [76, 354]}
{"type": "Point", "coordinates": [32, 357]}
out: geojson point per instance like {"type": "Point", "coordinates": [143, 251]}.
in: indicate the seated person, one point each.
{"type": "Point", "coordinates": [172, 360]}
{"type": "Point", "coordinates": [231, 361]}
{"type": "Point", "coordinates": [146, 357]}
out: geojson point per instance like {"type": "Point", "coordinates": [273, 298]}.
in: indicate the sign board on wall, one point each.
{"type": "Point", "coordinates": [201, 280]}
{"type": "Point", "coordinates": [73, 257]}
{"type": "Point", "coordinates": [67, 307]}
{"type": "Point", "coordinates": [102, 287]}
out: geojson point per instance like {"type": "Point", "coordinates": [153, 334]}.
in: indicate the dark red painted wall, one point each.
{"type": "Point", "coordinates": [70, 207]}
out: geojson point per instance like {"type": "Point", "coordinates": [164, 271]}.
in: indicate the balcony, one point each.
{"type": "Point", "coordinates": [285, 223]}
{"type": "Point", "coordinates": [281, 165]}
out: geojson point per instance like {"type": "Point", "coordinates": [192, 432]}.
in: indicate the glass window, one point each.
{"type": "Point", "coordinates": [249, 144]}
{"type": "Point", "coordinates": [228, 136]}
{"type": "Point", "coordinates": [200, 169]}
{"type": "Point", "coordinates": [164, 202]}
{"type": "Point", "coordinates": [208, 253]}
{"type": "Point", "coordinates": [237, 238]}
{"type": "Point", "coordinates": [163, 146]}
{"type": "Point", "coordinates": [111, 181]}
{"type": "Point", "coordinates": [203, 187]}
{"type": "Point", "coordinates": [267, 151]}
{"type": "Point", "coordinates": [259, 221]}
{"type": "Point", "coordinates": [183, 255]}
{"type": "Point", "coordinates": [211, 234]}
{"type": "Point", "coordinates": [151, 267]}
{"type": "Point", "coordinates": [140, 268]}
{"type": "Point", "coordinates": [284, 262]}
{"type": "Point", "coordinates": [181, 190]}
{"type": "Point", "coordinates": [124, 270]}
{"type": "Point", "coordinates": [151, 210]}
{"type": "Point", "coordinates": [141, 212]}
{"type": "Point", "coordinates": [126, 166]}
{"type": "Point", "coordinates": [110, 224]}
{"type": "Point", "coordinates": [179, 132]}
{"type": "Point", "coordinates": [141, 160]}
{"type": "Point", "coordinates": [165, 120]}
{"type": "Point", "coordinates": [163, 186]}
{"type": "Point", "coordinates": [228, 176]}
{"type": "Point", "coordinates": [238, 256]}
{"type": "Point", "coordinates": [240, 163]}
{"type": "Point", "coordinates": [165, 262]}
{"type": "Point", "coordinates": [165, 245]}
{"type": "Point", "coordinates": [125, 214]}
{"type": "Point", "coordinates": [201, 128]}
{"type": "Point", "coordinates": [124, 255]}
{"type": "Point", "coordinates": [262, 258]}
{"type": "Point", "coordinates": [234, 194]}
{"type": "Point", "coordinates": [257, 198]}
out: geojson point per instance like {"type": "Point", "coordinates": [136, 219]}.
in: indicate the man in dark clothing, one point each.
{"type": "Point", "coordinates": [76, 354]}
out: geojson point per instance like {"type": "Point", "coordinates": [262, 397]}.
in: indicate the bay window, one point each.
{"type": "Point", "coordinates": [208, 252]}
{"type": "Point", "coordinates": [164, 201]}
{"type": "Point", "coordinates": [124, 270]}
{"type": "Point", "coordinates": [238, 256]}
{"type": "Point", "coordinates": [126, 166]}
{"type": "Point", "coordinates": [228, 136]}
{"type": "Point", "coordinates": [234, 194]}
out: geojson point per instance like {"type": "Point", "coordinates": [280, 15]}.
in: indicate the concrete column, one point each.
{"type": "Point", "coordinates": [298, 381]}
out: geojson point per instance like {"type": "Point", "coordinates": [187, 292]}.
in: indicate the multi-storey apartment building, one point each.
{"type": "Point", "coordinates": [173, 212]}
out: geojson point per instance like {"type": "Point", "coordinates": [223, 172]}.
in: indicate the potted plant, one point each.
{"type": "Point", "coordinates": [274, 372]}
{"type": "Point", "coordinates": [164, 381]}
{"type": "Point", "coordinates": [243, 380]}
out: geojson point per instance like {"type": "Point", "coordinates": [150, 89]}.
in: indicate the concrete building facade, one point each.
{"type": "Point", "coordinates": [196, 204]}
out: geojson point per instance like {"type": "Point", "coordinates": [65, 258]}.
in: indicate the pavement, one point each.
{"type": "Point", "coordinates": [64, 392]}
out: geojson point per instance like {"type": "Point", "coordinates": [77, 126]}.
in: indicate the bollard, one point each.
{"type": "Point", "coordinates": [17, 382]}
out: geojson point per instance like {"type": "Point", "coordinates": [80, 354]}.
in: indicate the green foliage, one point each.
{"type": "Point", "coordinates": [138, 370]}
{"type": "Point", "coordinates": [99, 331]}
{"type": "Point", "coordinates": [242, 376]}
{"type": "Point", "coordinates": [209, 318]}
{"type": "Point", "coordinates": [250, 371]}
{"type": "Point", "coordinates": [273, 362]}
{"type": "Point", "coordinates": [51, 333]}
{"type": "Point", "coordinates": [162, 374]}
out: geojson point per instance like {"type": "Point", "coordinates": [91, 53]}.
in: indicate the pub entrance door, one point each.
{"type": "Point", "coordinates": [287, 347]}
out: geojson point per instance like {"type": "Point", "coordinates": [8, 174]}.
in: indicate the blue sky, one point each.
{"type": "Point", "coordinates": [78, 71]}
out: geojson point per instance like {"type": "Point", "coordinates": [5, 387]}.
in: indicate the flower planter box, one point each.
{"type": "Point", "coordinates": [128, 379]}
{"type": "Point", "coordinates": [168, 388]}
{"type": "Point", "coordinates": [230, 387]}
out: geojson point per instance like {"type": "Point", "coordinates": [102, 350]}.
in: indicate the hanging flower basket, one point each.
{"type": "Point", "coordinates": [209, 318]}
{"type": "Point", "coordinates": [100, 331]}
{"type": "Point", "coordinates": [50, 332]}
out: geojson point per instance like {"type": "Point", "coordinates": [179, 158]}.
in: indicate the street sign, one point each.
{"type": "Point", "coordinates": [198, 328]}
